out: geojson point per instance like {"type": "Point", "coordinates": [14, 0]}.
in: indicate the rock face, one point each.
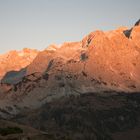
{"type": "Point", "coordinates": [135, 35]}
{"type": "Point", "coordinates": [44, 58]}
{"type": "Point", "coordinates": [102, 61]}
{"type": "Point", "coordinates": [16, 60]}
{"type": "Point", "coordinates": [105, 63]}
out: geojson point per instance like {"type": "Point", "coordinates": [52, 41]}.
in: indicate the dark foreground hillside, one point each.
{"type": "Point", "coordinates": [88, 117]}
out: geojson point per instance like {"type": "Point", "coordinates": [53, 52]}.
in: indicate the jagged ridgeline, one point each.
{"type": "Point", "coordinates": [78, 90]}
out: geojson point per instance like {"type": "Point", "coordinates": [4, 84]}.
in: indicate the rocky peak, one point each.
{"type": "Point", "coordinates": [16, 60]}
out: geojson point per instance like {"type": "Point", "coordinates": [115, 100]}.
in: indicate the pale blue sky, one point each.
{"type": "Point", "coordinates": [38, 23]}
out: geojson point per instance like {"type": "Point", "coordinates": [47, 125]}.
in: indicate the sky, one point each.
{"type": "Point", "coordinates": [39, 23]}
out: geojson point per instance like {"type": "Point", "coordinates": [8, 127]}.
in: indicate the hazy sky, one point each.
{"type": "Point", "coordinates": [38, 23]}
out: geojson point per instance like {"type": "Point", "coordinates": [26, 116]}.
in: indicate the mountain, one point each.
{"type": "Point", "coordinates": [16, 60]}
{"type": "Point", "coordinates": [102, 61]}
{"type": "Point", "coordinates": [68, 87]}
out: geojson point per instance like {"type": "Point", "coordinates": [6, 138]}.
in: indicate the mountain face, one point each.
{"type": "Point", "coordinates": [16, 60]}
{"type": "Point", "coordinates": [100, 74]}
{"type": "Point", "coordinates": [100, 62]}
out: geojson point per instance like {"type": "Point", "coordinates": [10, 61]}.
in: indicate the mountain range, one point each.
{"type": "Point", "coordinates": [89, 89]}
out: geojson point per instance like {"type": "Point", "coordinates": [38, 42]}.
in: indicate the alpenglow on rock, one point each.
{"type": "Point", "coordinates": [101, 62]}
